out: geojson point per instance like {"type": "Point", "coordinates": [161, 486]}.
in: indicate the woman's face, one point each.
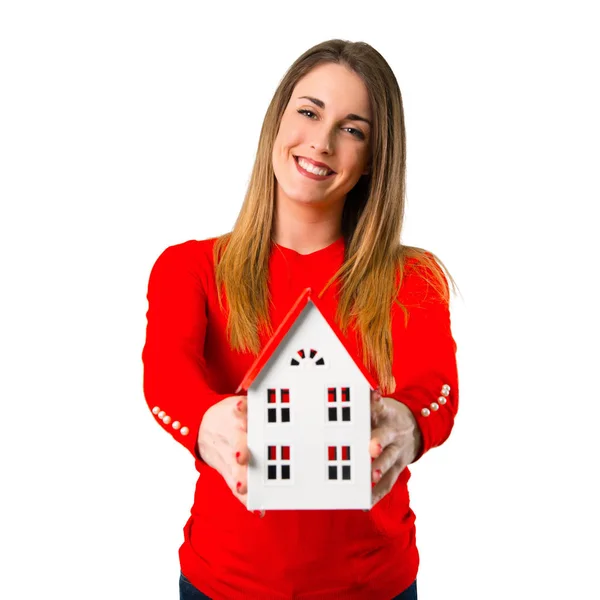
{"type": "Point", "coordinates": [327, 120]}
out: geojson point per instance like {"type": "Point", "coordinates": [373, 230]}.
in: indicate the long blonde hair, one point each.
{"type": "Point", "coordinates": [372, 219]}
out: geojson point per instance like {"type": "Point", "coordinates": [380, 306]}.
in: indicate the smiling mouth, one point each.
{"type": "Point", "coordinates": [305, 171]}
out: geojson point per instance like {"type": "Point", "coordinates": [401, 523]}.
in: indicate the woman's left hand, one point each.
{"type": "Point", "coordinates": [395, 442]}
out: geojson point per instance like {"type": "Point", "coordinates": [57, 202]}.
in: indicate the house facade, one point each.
{"type": "Point", "coordinates": [309, 423]}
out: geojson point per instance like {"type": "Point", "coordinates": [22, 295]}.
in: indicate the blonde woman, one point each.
{"type": "Point", "coordinates": [324, 210]}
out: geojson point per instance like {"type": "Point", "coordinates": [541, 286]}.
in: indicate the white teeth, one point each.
{"type": "Point", "coordinates": [312, 169]}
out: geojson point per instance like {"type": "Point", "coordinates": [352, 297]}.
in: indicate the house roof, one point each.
{"type": "Point", "coordinates": [270, 347]}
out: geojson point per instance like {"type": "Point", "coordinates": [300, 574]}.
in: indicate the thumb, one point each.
{"type": "Point", "coordinates": [377, 406]}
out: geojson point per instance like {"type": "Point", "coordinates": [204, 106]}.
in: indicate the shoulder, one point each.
{"type": "Point", "coordinates": [188, 251]}
{"type": "Point", "coordinates": [422, 279]}
{"type": "Point", "coordinates": [193, 257]}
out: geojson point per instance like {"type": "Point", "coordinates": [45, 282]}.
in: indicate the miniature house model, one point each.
{"type": "Point", "coordinates": [309, 417]}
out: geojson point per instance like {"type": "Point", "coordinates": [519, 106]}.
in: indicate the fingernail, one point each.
{"type": "Point", "coordinates": [238, 454]}
{"type": "Point", "coordinates": [239, 405]}
{"type": "Point", "coordinates": [377, 474]}
{"type": "Point", "coordinates": [379, 449]}
{"type": "Point", "coordinates": [238, 485]}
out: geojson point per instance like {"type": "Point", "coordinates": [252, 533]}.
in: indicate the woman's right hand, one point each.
{"type": "Point", "coordinates": [223, 442]}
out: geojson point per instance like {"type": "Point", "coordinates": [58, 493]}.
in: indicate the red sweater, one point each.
{"type": "Point", "coordinates": [228, 552]}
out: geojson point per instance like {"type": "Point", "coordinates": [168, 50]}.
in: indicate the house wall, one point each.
{"type": "Point", "coordinates": [308, 434]}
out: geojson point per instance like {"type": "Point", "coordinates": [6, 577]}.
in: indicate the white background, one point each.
{"type": "Point", "coordinates": [126, 127]}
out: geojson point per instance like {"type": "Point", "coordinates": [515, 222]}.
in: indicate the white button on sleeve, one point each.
{"type": "Point", "coordinates": [434, 406]}
{"type": "Point", "coordinates": [176, 425]}
{"type": "Point", "coordinates": [425, 412]}
{"type": "Point", "coordinates": [184, 431]}
{"type": "Point", "coordinates": [155, 410]}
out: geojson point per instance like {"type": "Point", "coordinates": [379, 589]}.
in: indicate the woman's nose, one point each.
{"type": "Point", "coordinates": [322, 141]}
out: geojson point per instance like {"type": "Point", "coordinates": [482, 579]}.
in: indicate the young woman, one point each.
{"type": "Point", "coordinates": [324, 210]}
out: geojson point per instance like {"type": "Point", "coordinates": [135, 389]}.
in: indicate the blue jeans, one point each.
{"type": "Point", "coordinates": [188, 592]}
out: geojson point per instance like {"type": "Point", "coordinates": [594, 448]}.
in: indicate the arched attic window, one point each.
{"type": "Point", "coordinates": [302, 354]}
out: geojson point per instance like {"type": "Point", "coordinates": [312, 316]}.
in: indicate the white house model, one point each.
{"type": "Point", "coordinates": [309, 417]}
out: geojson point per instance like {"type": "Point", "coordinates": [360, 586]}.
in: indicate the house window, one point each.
{"type": "Point", "coordinates": [278, 463]}
{"type": "Point", "coordinates": [338, 404]}
{"type": "Point", "coordinates": [278, 406]}
{"type": "Point", "coordinates": [338, 463]}
{"type": "Point", "coordinates": [301, 355]}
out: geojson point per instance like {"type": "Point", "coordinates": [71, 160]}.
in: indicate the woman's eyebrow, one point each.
{"type": "Point", "coordinates": [321, 104]}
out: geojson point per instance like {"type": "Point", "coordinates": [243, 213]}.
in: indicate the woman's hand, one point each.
{"type": "Point", "coordinates": [395, 442]}
{"type": "Point", "coordinates": [223, 443]}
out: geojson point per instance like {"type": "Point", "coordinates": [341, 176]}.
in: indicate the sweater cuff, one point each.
{"type": "Point", "coordinates": [434, 410]}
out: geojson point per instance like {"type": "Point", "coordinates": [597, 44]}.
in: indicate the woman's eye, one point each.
{"type": "Point", "coordinates": [355, 132]}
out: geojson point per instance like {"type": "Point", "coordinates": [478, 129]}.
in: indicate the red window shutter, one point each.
{"type": "Point", "coordinates": [345, 452]}
{"type": "Point", "coordinates": [285, 395]}
{"type": "Point", "coordinates": [285, 453]}
{"type": "Point", "coordinates": [272, 455]}
{"type": "Point", "coordinates": [331, 394]}
{"type": "Point", "coordinates": [271, 396]}
{"type": "Point", "coordinates": [331, 452]}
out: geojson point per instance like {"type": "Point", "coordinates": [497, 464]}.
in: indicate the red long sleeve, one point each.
{"type": "Point", "coordinates": [425, 360]}
{"type": "Point", "coordinates": [175, 387]}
